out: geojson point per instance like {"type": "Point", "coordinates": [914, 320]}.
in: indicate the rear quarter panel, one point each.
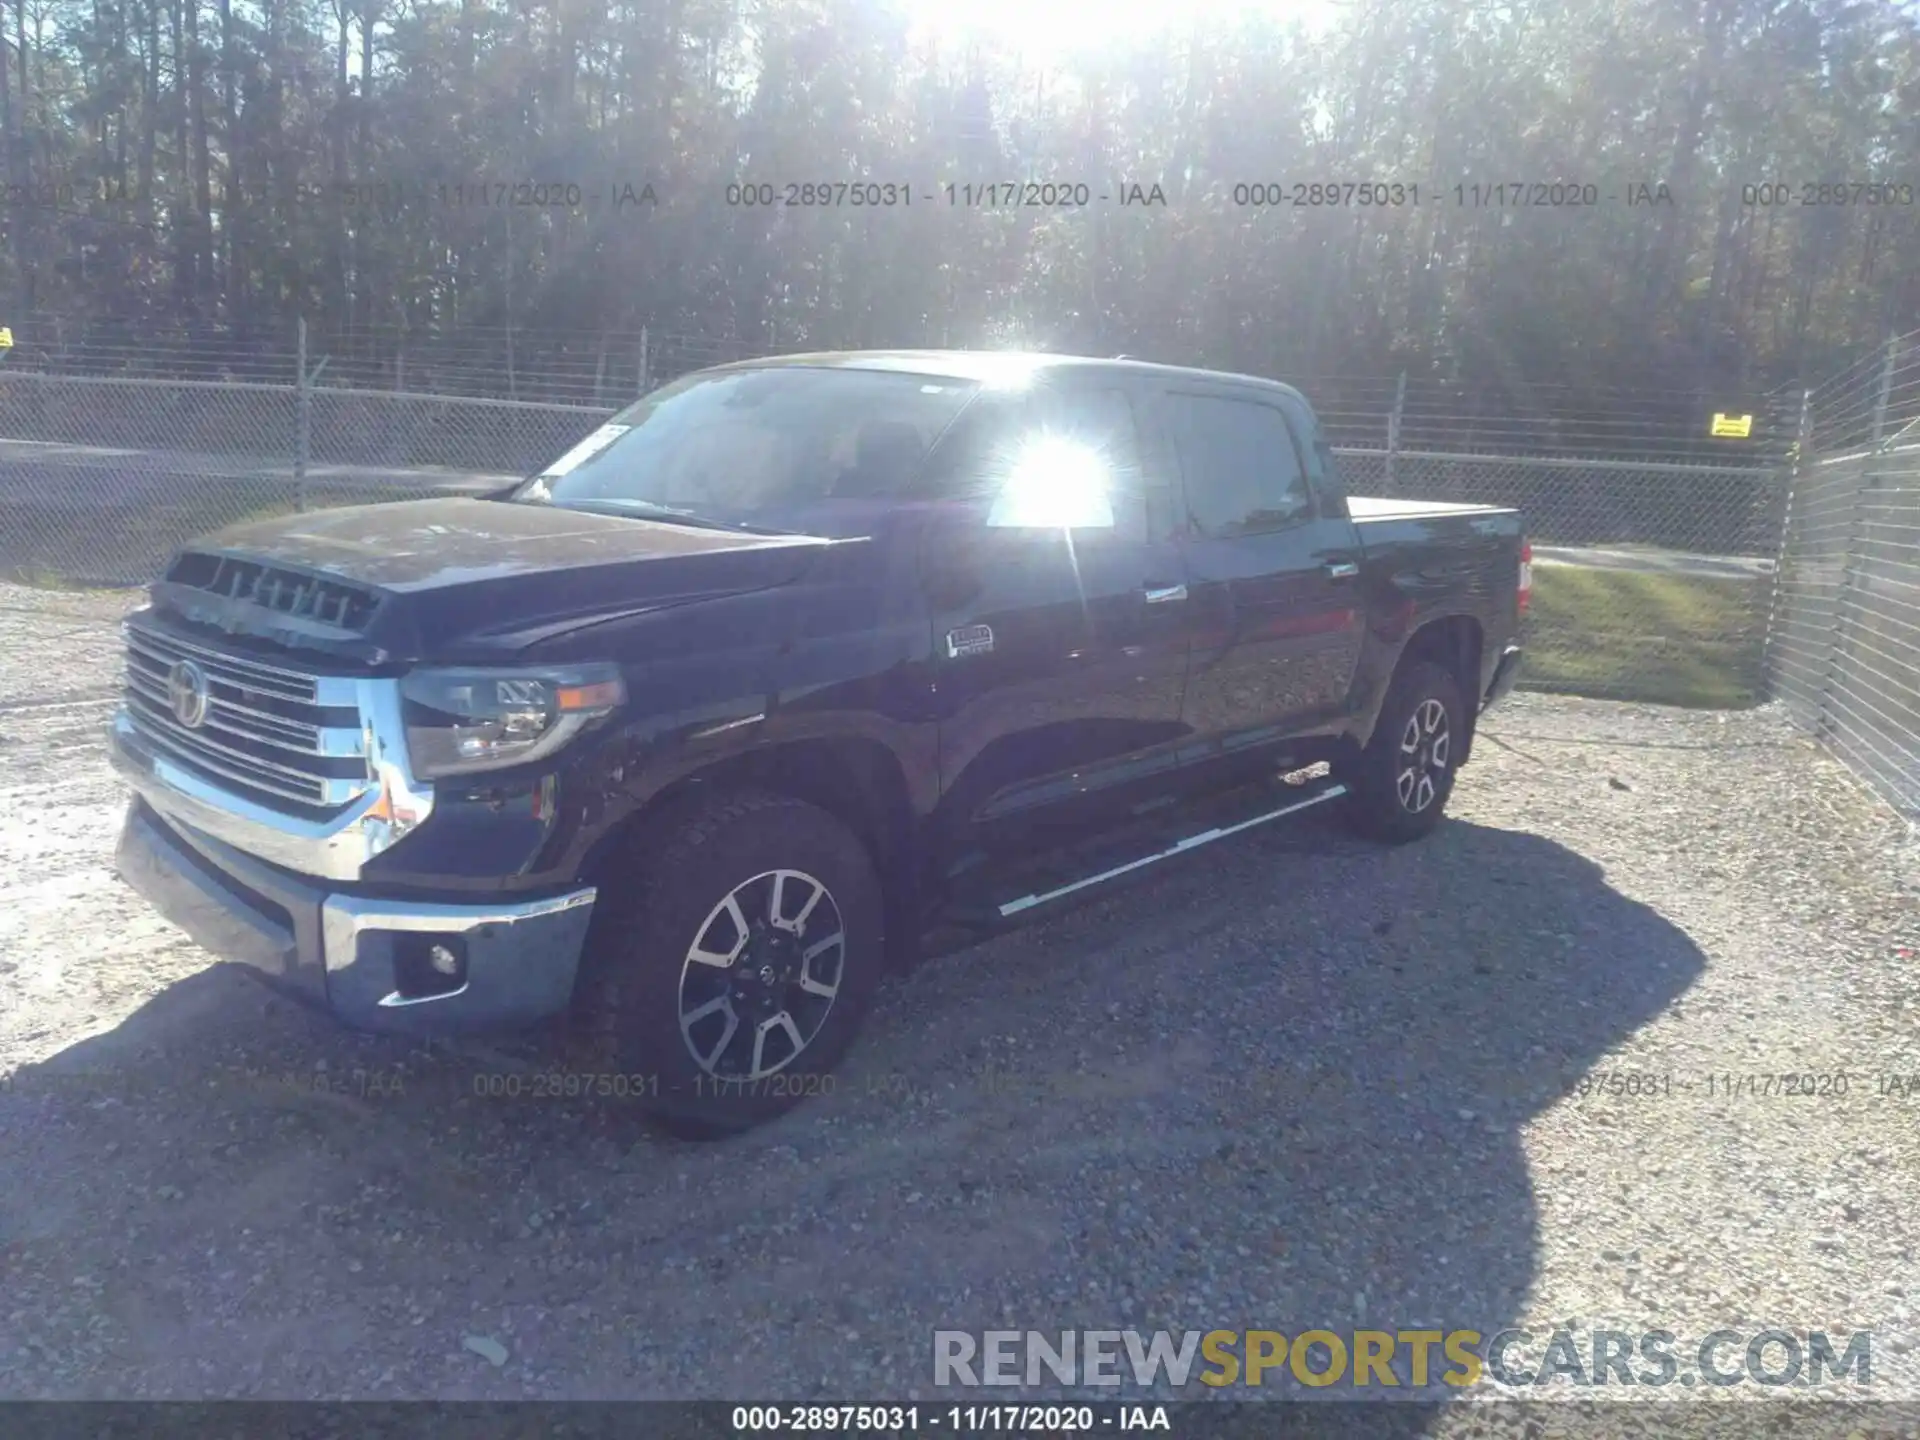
{"type": "Point", "coordinates": [1427, 562]}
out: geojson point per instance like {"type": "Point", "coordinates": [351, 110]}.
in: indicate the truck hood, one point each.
{"type": "Point", "coordinates": [413, 580]}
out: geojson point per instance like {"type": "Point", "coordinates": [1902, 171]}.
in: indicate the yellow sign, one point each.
{"type": "Point", "coordinates": [6, 337]}
{"type": "Point", "coordinates": [1738, 426]}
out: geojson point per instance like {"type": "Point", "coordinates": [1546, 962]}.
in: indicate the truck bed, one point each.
{"type": "Point", "coordinates": [1373, 507]}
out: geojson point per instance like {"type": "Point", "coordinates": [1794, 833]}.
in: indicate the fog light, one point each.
{"type": "Point", "coordinates": [425, 965]}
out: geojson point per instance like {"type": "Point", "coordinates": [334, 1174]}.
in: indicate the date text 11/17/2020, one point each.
{"type": "Point", "coordinates": [984, 195]}
{"type": "Point", "coordinates": [1500, 195]}
{"type": "Point", "coordinates": [381, 196]}
{"type": "Point", "coordinates": [956, 1419]}
{"type": "Point", "coordinates": [1269, 194]}
{"type": "Point", "coordinates": [1000, 194]}
{"type": "Point", "coordinates": [1751, 1085]}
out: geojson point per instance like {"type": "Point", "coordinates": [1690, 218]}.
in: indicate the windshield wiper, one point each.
{"type": "Point", "coordinates": [649, 510]}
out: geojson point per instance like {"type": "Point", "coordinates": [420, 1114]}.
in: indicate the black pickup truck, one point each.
{"type": "Point", "coordinates": [788, 668]}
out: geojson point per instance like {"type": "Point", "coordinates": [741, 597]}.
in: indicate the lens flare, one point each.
{"type": "Point", "coordinates": [1055, 483]}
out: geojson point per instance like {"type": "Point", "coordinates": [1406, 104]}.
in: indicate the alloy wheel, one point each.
{"type": "Point", "coordinates": [1425, 746]}
{"type": "Point", "coordinates": [761, 975]}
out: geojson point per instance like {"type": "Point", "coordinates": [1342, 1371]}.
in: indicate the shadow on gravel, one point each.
{"type": "Point", "coordinates": [1281, 1088]}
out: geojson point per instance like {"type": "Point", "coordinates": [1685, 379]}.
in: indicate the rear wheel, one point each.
{"type": "Point", "coordinates": [731, 967]}
{"type": "Point", "coordinates": [1398, 788]}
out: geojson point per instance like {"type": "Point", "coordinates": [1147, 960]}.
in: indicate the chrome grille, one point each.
{"type": "Point", "coordinates": [276, 735]}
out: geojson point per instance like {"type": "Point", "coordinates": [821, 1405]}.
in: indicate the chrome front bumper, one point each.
{"type": "Point", "coordinates": [354, 955]}
{"type": "Point", "coordinates": [336, 848]}
{"type": "Point", "coordinates": [274, 886]}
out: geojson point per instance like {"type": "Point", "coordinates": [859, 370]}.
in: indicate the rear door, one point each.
{"type": "Point", "coordinates": [1272, 570]}
{"type": "Point", "coordinates": [1058, 675]}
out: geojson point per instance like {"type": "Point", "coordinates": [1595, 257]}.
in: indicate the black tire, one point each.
{"type": "Point", "coordinates": [668, 891]}
{"type": "Point", "coordinates": [1381, 803]}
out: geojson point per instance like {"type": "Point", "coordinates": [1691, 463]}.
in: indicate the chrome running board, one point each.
{"type": "Point", "coordinates": [1179, 847]}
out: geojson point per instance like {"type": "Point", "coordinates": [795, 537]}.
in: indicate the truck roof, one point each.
{"type": "Point", "coordinates": [985, 366]}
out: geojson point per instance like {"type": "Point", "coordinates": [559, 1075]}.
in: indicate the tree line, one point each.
{"type": "Point", "coordinates": [1708, 195]}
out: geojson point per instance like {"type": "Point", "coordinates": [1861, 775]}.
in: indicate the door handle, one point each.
{"type": "Point", "coordinates": [1342, 570]}
{"type": "Point", "coordinates": [1162, 594]}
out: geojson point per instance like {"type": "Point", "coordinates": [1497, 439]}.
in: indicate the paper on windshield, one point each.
{"type": "Point", "coordinates": [585, 450]}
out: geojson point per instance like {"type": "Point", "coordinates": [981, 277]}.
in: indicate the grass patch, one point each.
{"type": "Point", "coordinates": [1667, 639]}
{"type": "Point", "coordinates": [38, 577]}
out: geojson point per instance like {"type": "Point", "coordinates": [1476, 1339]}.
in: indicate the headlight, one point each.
{"type": "Point", "coordinates": [460, 721]}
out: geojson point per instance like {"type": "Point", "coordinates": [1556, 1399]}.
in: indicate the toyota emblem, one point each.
{"type": "Point", "coordinates": [187, 694]}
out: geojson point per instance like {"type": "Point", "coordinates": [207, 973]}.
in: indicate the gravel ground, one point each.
{"type": "Point", "coordinates": [1303, 1082]}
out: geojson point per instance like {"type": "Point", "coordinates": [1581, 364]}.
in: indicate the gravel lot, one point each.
{"type": "Point", "coordinates": [1302, 1082]}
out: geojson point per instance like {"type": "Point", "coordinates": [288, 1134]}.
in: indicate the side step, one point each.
{"type": "Point", "coordinates": [1179, 847]}
{"type": "Point", "coordinates": [1055, 876]}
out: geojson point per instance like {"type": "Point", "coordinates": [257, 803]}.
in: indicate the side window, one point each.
{"type": "Point", "coordinates": [984, 450]}
{"type": "Point", "coordinates": [1242, 468]}
{"type": "Point", "coordinates": [1333, 483]}
{"type": "Point", "coordinates": [1102, 421]}
{"type": "Point", "coordinates": [1323, 471]}
{"type": "Point", "coordinates": [964, 465]}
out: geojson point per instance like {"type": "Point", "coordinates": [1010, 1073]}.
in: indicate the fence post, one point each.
{"type": "Point", "coordinates": [303, 415]}
{"type": "Point", "coordinates": [1887, 360]}
{"type": "Point", "coordinates": [643, 360]}
{"type": "Point", "coordinates": [1840, 652]}
{"type": "Point", "coordinates": [1393, 430]}
{"type": "Point", "coordinates": [1802, 429]}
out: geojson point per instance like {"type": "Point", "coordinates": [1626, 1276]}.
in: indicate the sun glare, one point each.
{"type": "Point", "coordinates": [1055, 483]}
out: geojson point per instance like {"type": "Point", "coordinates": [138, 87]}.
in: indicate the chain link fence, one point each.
{"type": "Point", "coordinates": [1792, 574]}
{"type": "Point", "coordinates": [1651, 580]}
{"type": "Point", "coordinates": [1653, 576]}
{"type": "Point", "coordinates": [1843, 650]}
{"type": "Point", "coordinates": [102, 479]}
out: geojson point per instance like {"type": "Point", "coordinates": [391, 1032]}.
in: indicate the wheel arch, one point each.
{"type": "Point", "coordinates": [859, 781]}
{"type": "Point", "coordinates": [1456, 643]}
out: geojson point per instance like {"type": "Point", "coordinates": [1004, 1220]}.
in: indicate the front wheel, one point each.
{"type": "Point", "coordinates": [733, 965]}
{"type": "Point", "coordinates": [1398, 788]}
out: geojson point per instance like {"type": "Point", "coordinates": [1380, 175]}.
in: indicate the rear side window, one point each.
{"type": "Point", "coordinates": [1240, 465]}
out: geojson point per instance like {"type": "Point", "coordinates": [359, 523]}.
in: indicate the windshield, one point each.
{"type": "Point", "coordinates": [782, 448]}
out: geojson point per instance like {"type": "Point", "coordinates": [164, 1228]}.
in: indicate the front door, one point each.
{"type": "Point", "coordinates": [1059, 663]}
